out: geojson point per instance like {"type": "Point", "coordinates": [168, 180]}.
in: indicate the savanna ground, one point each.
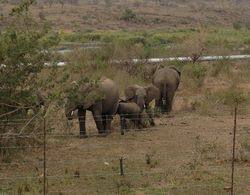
{"type": "Point", "coordinates": [88, 15]}
{"type": "Point", "coordinates": [188, 151]}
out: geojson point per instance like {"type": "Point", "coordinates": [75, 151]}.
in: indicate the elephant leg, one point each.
{"type": "Point", "coordinates": [81, 119]}
{"type": "Point", "coordinates": [104, 121]}
{"type": "Point", "coordinates": [109, 119]}
{"type": "Point", "coordinates": [99, 121]}
{"type": "Point", "coordinates": [164, 100]}
{"type": "Point", "coordinates": [150, 117]}
{"type": "Point", "coordinates": [137, 120]}
{"type": "Point", "coordinates": [158, 103]}
{"type": "Point", "coordinates": [170, 97]}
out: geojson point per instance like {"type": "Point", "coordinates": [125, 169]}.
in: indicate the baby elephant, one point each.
{"type": "Point", "coordinates": [129, 110]}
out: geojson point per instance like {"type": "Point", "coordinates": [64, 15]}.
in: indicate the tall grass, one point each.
{"type": "Point", "coordinates": [160, 43]}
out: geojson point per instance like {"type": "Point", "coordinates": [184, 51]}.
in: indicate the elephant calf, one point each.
{"type": "Point", "coordinates": [129, 110]}
{"type": "Point", "coordinates": [142, 96]}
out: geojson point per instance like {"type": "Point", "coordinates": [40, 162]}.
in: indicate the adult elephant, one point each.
{"type": "Point", "coordinates": [142, 96]}
{"type": "Point", "coordinates": [167, 80]}
{"type": "Point", "coordinates": [102, 108]}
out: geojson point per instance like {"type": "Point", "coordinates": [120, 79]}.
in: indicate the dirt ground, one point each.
{"type": "Point", "coordinates": [88, 16]}
{"type": "Point", "coordinates": [188, 151]}
{"type": "Point", "coordinates": [185, 153]}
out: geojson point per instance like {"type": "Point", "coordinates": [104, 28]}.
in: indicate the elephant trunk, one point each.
{"type": "Point", "coordinates": [141, 105]}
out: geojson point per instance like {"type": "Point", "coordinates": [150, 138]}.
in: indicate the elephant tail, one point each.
{"type": "Point", "coordinates": [164, 97]}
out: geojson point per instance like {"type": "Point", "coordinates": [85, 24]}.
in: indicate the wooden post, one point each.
{"type": "Point", "coordinates": [122, 121]}
{"type": "Point", "coordinates": [44, 156]}
{"type": "Point", "coordinates": [233, 152]}
{"type": "Point", "coordinates": [121, 167]}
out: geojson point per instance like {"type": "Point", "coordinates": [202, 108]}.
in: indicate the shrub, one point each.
{"type": "Point", "coordinates": [220, 67]}
{"type": "Point", "coordinates": [221, 99]}
{"type": "Point", "coordinates": [136, 40]}
{"type": "Point", "coordinates": [24, 48]}
{"type": "Point", "coordinates": [128, 15]}
{"type": "Point", "coordinates": [237, 25]}
{"type": "Point", "coordinates": [233, 96]}
{"type": "Point", "coordinates": [197, 72]}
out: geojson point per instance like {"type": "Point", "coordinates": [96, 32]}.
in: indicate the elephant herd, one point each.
{"type": "Point", "coordinates": [137, 99]}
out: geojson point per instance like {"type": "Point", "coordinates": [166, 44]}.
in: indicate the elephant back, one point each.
{"type": "Point", "coordinates": [166, 76]}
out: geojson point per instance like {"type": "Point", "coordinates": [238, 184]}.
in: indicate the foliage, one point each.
{"type": "Point", "coordinates": [197, 72]}
{"type": "Point", "coordinates": [24, 48]}
{"type": "Point", "coordinates": [84, 90]}
{"type": "Point", "coordinates": [237, 25]}
{"type": "Point", "coordinates": [233, 96]}
{"type": "Point", "coordinates": [220, 67]}
{"type": "Point", "coordinates": [23, 51]}
{"type": "Point", "coordinates": [128, 15]}
{"type": "Point", "coordinates": [180, 42]}
{"type": "Point", "coordinates": [229, 97]}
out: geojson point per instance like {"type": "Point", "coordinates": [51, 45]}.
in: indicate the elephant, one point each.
{"type": "Point", "coordinates": [142, 96]}
{"type": "Point", "coordinates": [102, 109]}
{"type": "Point", "coordinates": [167, 80]}
{"type": "Point", "coordinates": [129, 110]}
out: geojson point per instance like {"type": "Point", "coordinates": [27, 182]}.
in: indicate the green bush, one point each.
{"type": "Point", "coordinates": [237, 25]}
{"type": "Point", "coordinates": [24, 48]}
{"type": "Point", "coordinates": [220, 67]}
{"type": "Point", "coordinates": [92, 37]}
{"type": "Point", "coordinates": [233, 96]}
{"type": "Point", "coordinates": [128, 15]}
{"type": "Point", "coordinates": [196, 71]}
{"type": "Point", "coordinates": [228, 97]}
{"type": "Point", "coordinates": [136, 40]}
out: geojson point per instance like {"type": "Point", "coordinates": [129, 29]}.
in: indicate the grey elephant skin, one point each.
{"type": "Point", "coordinates": [129, 110]}
{"type": "Point", "coordinates": [142, 96]}
{"type": "Point", "coordinates": [102, 109]}
{"type": "Point", "coordinates": [167, 80]}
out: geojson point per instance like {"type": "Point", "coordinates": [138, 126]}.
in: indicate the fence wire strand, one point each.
{"type": "Point", "coordinates": [130, 156]}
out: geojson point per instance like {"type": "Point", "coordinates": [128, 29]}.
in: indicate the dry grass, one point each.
{"type": "Point", "coordinates": [97, 16]}
{"type": "Point", "coordinates": [187, 152]}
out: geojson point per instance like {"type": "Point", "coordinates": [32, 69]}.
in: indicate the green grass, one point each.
{"type": "Point", "coordinates": [160, 43]}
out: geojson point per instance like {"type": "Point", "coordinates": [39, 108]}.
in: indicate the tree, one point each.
{"type": "Point", "coordinates": [24, 46]}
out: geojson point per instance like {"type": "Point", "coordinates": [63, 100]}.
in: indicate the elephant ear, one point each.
{"type": "Point", "coordinates": [152, 93]}
{"type": "Point", "coordinates": [130, 91]}
{"type": "Point", "coordinates": [176, 69]}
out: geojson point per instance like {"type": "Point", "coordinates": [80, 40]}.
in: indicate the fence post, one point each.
{"type": "Point", "coordinates": [44, 156]}
{"type": "Point", "coordinates": [122, 118]}
{"type": "Point", "coordinates": [121, 167]}
{"type": "Point", "coordinates": [233, 152]}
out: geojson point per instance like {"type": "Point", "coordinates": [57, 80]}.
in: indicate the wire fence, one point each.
{"type": "Point", "coordinates": [136, 154]}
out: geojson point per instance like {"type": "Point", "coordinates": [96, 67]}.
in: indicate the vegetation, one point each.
{"type": "Point", "coordinates": [165, 43]}
{"type": "Point", "coordinates": [187, 154]}
{"type": "Point", "coordinates": [24, 49]}
{"type": "Point", "coordinates": [23, 52]}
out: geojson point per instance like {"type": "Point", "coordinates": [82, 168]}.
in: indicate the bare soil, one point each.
{"type": "Point", "coordinates": [184, 153]}
{"type": "Point", "coordinates": [87, 16]}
